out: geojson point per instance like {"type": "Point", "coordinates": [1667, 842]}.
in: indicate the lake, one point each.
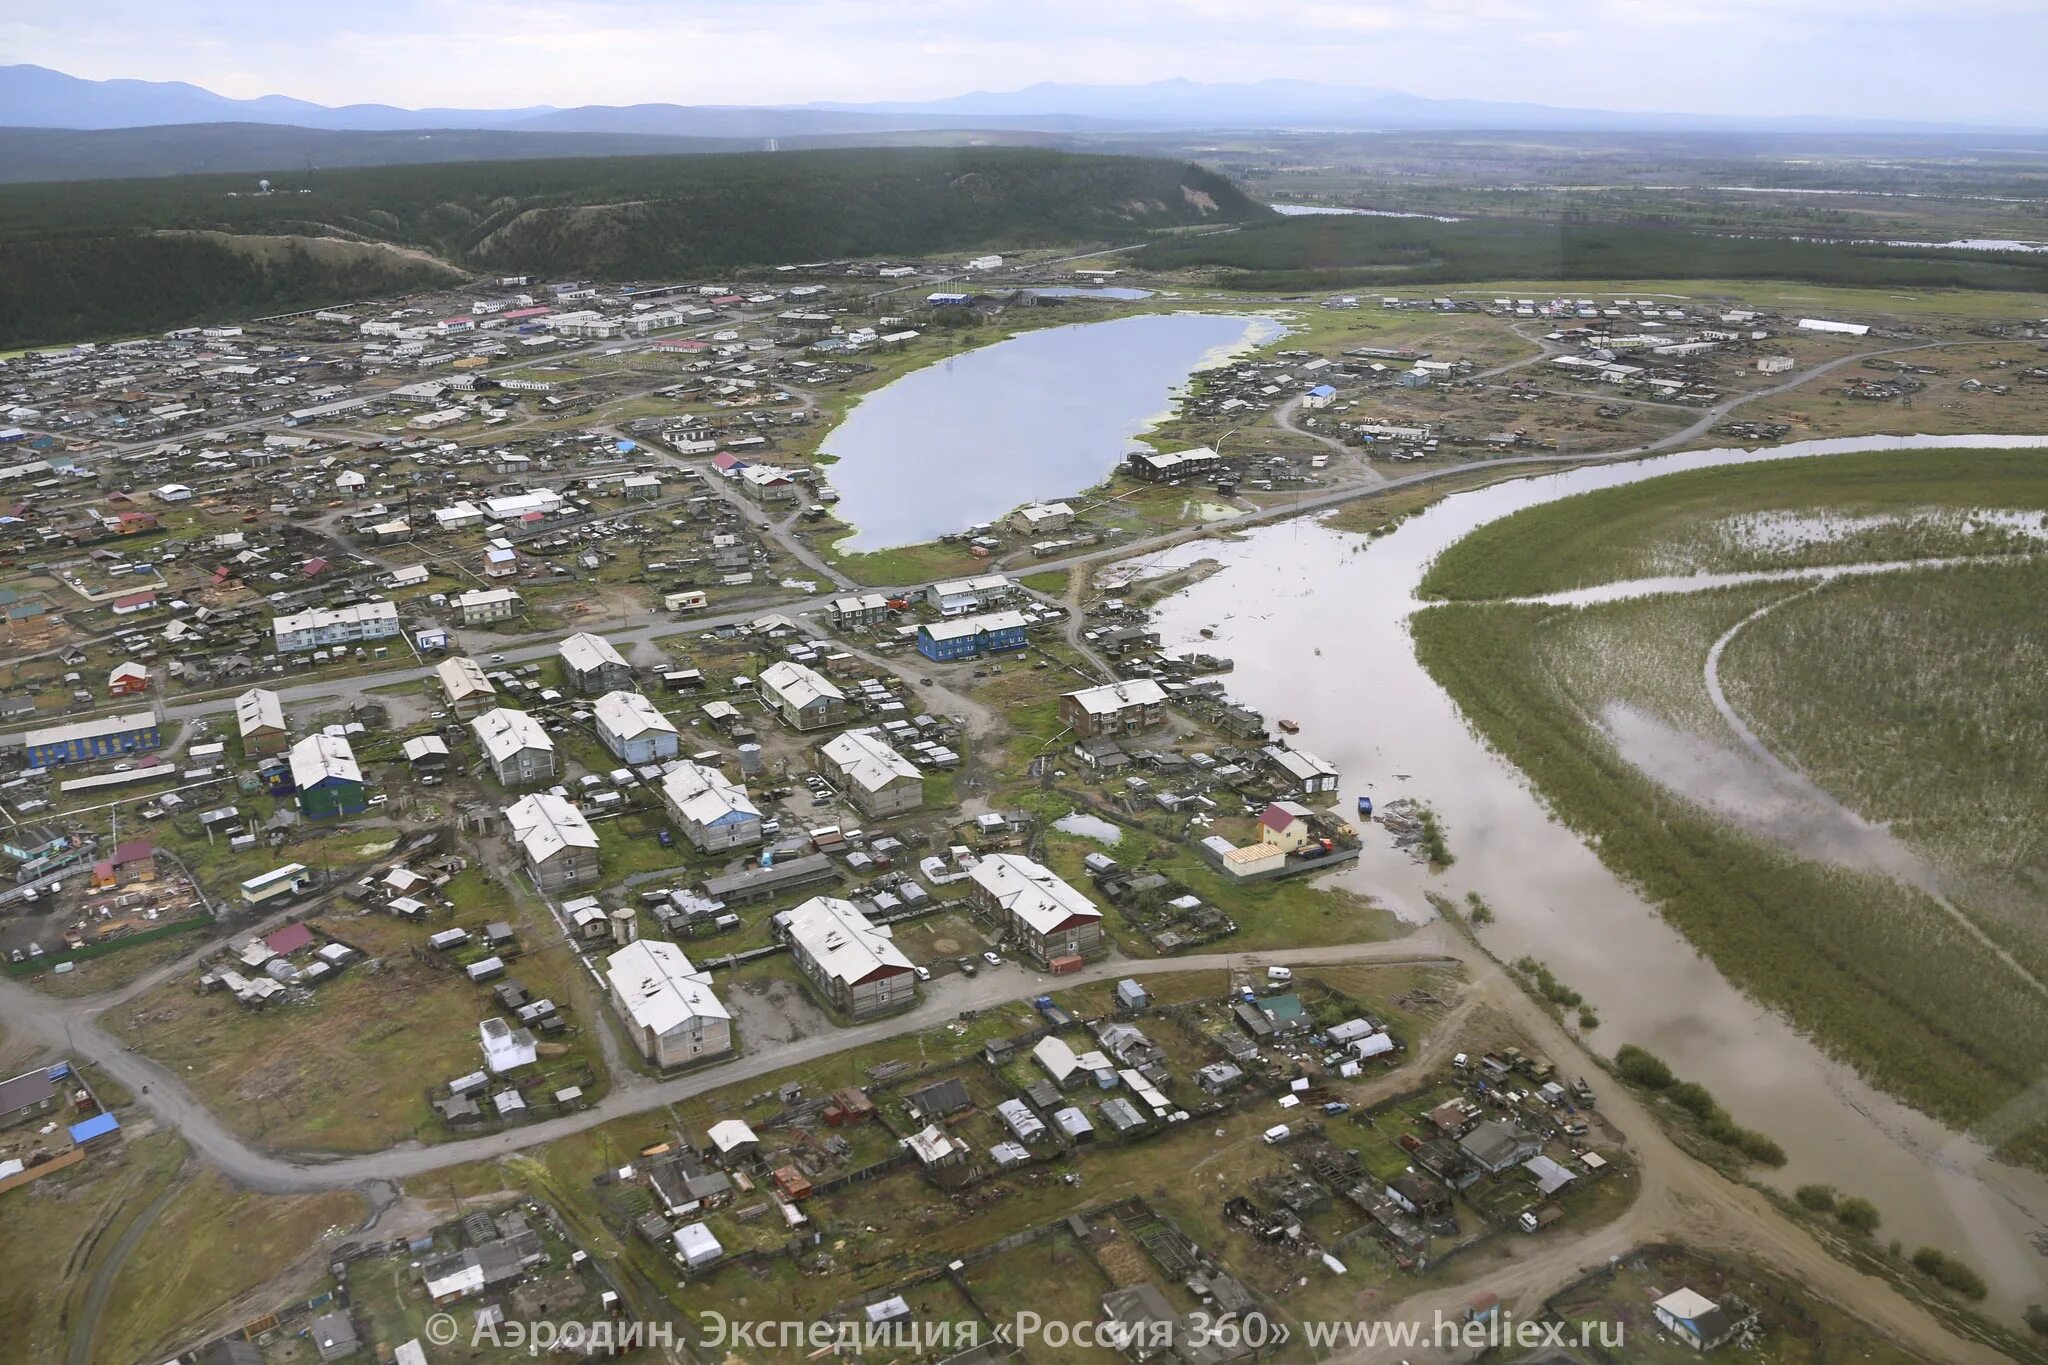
{"type": "Point", "coordinates": [1037, 417]}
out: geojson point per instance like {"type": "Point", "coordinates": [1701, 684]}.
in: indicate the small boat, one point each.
{"type": "Point", "coordinates": [1365, 807]}
{"type": "Point", "coordinates": [1208, 632]}
{"type": "Point", "coordinates": [1291, 727]}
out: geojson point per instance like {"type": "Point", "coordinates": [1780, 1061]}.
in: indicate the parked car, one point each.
{"type": "Point", "coordinates": [923, 973]}
{"type": "Point", "coordinates": [992, 958]}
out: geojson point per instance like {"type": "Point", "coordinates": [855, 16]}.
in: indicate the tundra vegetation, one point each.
{"type": "Point", "coordinates": [1357, 252]}
{"type": "Point", "coordinates": [1780, 514]}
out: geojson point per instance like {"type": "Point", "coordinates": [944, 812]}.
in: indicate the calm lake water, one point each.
{"type": "Point", "coordinates": [1038, 417]}
{"type": "Point", "coordinates": [1122, 293]}
{"type": "Point", "coordinates": [1317, 621]}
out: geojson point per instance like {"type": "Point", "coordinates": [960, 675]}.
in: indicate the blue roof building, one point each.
{"type": "Point", "coordinates": [98, 1126]}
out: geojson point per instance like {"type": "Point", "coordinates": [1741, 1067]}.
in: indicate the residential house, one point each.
{"type": "Point", "coordinates": [669, 1008]}
{"type": "Point", "coordinates": [1285, 825]}
{"type": "Point", "coordinates": [881, 781]}
{"type": "Point", "coordinates": [1118, 708]}
{"type": "Point", "coordinates": [804, 698]}
{"type": "Point", "coordinates": [713, 812]}
{"type": "Point", "coordinates": [557, 843]}
{"type": "Point", "coordinates": [1301, 768]}
{"type": "Point", "coordinates": [1697, 1320]}
{"type": "Point", "coordinates": [130, 679]}
{"type": "Point", "coordinates": [463, 681]}
{"type": "Point", "coordinates": [259, 718]}
{"type": "Point", "coordinates": [1041, 517]}
{"type": "Point", "coordinates": [1042, 914]}
{"type": "Point", "coordinates": [856, 966]}
{"type": "Point", "coordinates": [968, 637]}
{"type": "Point", "coordinates": [1495, 1146]}
{"type": "Point", "coordinates": [961, 596]}
{"type": "Point", "coordinates": [519, 750]}
{"type": "Point", "coordinates": [324, 627]}
{"type": "Point", "coordinates": [864, 609]}
{"type": "Point", "coordinates": [592, 665]}
{"type": "Point", "coordinates": [634, 729]}
{"type": "Point", "coordinates": [328, 781]}
{"type": "Point", "coordinates": [29, 1095]}
{"type": "Point", "coordinates": [485, 605]}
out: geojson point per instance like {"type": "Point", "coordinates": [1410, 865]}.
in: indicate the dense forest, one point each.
{"type": "Point", "coordinates": [102, 257]}
{"type": "Point", "coordinates": [56, 290]}
{"type": "Point", "coordinates": [1333, 252]}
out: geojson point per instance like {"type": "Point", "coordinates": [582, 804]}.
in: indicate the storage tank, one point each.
{"type": "Point", "coordinates": [750, 760]}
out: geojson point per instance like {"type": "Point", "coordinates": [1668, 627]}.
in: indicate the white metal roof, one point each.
{"type": "Point", "coordinates": [319, 617]}
{"type": "Point", "coordinates": [798, 686]}
{"type": "Point", "coordinates": [544, 824]}
{"type": "Point", "coordinates": [704, 796]}
{"type": "Point", "coordinates": [463, 678]}
{"type": "Point", "coordinates": [1110, 698]}
{"type": "Point", "coordinates": [839, 938]}
{"type": "Point", "coordinates": [85, 729]}
{"type": "Point", "coordinates": [504, 732]}
{"type": "Point", "coordinates": [318, 758]}
{"type": "Point", "coordinates": [584, 652]}
{"type": "Point", "coordinates": [1032, 891]}
{"type": "Point", "coordinates": [424, 745]}
{"type": "Point", "coordinates": [961, 626]}
{"type": "Point", "coordinates": [867, 761]}
{"type": "Point", "coordinates": [629, 715]}
{"type": "Point", "coordinates": [258, 709]}
{"type": "Point", "coordinates": [658, 988]}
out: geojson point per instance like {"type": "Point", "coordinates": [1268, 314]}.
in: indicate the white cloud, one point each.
{"type": "Point", "coordinates": [1914, 58]}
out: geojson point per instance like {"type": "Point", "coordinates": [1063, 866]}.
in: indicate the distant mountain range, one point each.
{"type": "Point", "coordinates": [37, 97]}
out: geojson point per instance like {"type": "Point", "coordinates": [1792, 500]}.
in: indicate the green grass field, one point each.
{"type": "Point", "coordinates": [1780, 514]}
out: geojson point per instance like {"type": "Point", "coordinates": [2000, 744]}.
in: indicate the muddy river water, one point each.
{"type": "Point", "coordinates": [1316, 620]}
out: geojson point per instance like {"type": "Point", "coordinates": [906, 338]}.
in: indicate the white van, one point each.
{"type": "Point", "coordinates": [1279, 976]}
{"type": "Point", "coordinates": [1276, 1135]}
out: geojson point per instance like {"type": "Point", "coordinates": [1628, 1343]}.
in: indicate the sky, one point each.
{"type": "Point", "coordinates": [1919, 59]}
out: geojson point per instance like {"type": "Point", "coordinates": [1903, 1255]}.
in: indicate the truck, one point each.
{"type": "Point", "coordinates": [1054, 1015]}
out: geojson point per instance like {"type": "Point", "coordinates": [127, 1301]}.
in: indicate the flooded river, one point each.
{"type": "Point", "coordinates": [1032, 418]}
{"type": "Point", "coordinates": [1316, 620]}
